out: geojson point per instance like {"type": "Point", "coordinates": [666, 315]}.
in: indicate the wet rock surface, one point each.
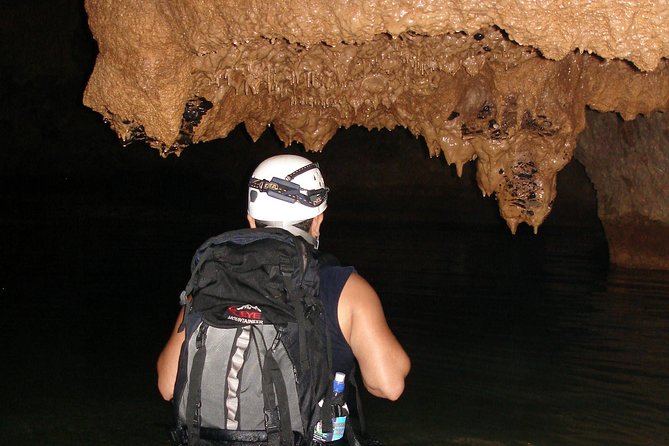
{"type": "Point", "coordinates": [505, 90]}
{"type": "Point", "coordinates": [628, 163]}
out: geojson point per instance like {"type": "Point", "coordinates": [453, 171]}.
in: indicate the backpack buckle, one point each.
{"type": "Point", "coordinates": [179, 436]}
{"type": "Point", "coordinates": [201, 336]}
{"type": "Point", "coordinates": [272, 420]}
{"type": "Point", "coordinates": [183, 298]}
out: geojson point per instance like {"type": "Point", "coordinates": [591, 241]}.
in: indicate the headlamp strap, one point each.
{"type": "Point", "coordinates": [301, 170]}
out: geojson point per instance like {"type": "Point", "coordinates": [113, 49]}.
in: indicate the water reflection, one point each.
{"type": "Point", "coordinates": [522, 341]}
{"type": "Point", "coordinates": [515, 340]}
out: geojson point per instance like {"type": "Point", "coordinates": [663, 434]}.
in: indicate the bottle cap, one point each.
{"type": "Point", "coordinates": [338, 384]}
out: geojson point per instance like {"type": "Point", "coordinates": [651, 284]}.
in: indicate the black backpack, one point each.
{"type": "Point", "coordinates": [256, 361]}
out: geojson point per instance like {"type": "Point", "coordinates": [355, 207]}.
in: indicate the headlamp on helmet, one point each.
{"type": "Point", "coordinates": [294, 192]}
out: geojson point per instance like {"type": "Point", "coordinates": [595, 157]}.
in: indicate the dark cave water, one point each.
{"type": "Point", "coordinates": [515, 340]}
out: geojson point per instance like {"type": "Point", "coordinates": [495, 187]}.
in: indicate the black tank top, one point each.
{"type": "Point", "coordinates": [333, 279]}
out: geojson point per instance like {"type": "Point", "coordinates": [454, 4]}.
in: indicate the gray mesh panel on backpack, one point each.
{"type": "Point", "coordinates": [232, 380]}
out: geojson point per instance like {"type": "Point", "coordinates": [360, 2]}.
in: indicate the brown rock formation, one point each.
{"type": "Point", "coordinates": [628, 162]}
{"type": "Point", "coordinates": [504, 83]}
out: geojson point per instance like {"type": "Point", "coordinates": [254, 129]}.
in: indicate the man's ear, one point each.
{"type": "Point", "coordinates": [316, 222]}
{"type": "Point", "coordinates": [251, 220]}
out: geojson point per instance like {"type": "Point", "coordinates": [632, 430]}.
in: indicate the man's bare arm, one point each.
{"type": "Point", "coordinates": [168, 361]}
{"type": "Point", "coordinates": [383, 362]}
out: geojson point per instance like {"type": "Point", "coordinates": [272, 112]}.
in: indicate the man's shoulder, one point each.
{"type": "Point", "coordinates": [335, 277]}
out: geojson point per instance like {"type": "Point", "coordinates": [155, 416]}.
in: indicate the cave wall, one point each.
{"type": "Point", "coordinates": [628, 163]}
{"type": "Point", "coordinates": [504, 84]}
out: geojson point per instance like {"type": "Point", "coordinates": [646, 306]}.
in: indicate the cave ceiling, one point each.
{"type": "Point", "coordinates": [503, 84]}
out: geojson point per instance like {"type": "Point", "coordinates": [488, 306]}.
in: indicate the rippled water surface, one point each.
{"type": "Point", "coordinates": [524, 340]}
{"type": "Point", "coordinates": [519, 341]}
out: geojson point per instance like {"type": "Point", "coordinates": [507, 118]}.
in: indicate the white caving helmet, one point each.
{"type": "Point", "coordinates": [285, 190]}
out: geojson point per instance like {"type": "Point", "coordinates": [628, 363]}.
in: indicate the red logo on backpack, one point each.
{"type": "Point", "coordinates": [245, 314]}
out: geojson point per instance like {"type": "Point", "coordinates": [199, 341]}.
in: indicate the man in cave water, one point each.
{"type": "Point", "coordinates": [354, 317]}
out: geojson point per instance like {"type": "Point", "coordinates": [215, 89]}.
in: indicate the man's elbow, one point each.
{"type": "Point", "coordinates": [166, 392]}
{"type": "Point", "coordinates": [394, 391]}
{"type": "Point", "coordinates": [392, 386]}
{"type": "Point", "coordinates": [390, 390]}
{"type": "Point", "coordinates": [165, 381]}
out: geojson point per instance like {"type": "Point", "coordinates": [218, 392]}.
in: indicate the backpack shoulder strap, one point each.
{"type": "Point", "coordinates": [275, 396]}
{"type": "Point", "coordinates": [195, 387]}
